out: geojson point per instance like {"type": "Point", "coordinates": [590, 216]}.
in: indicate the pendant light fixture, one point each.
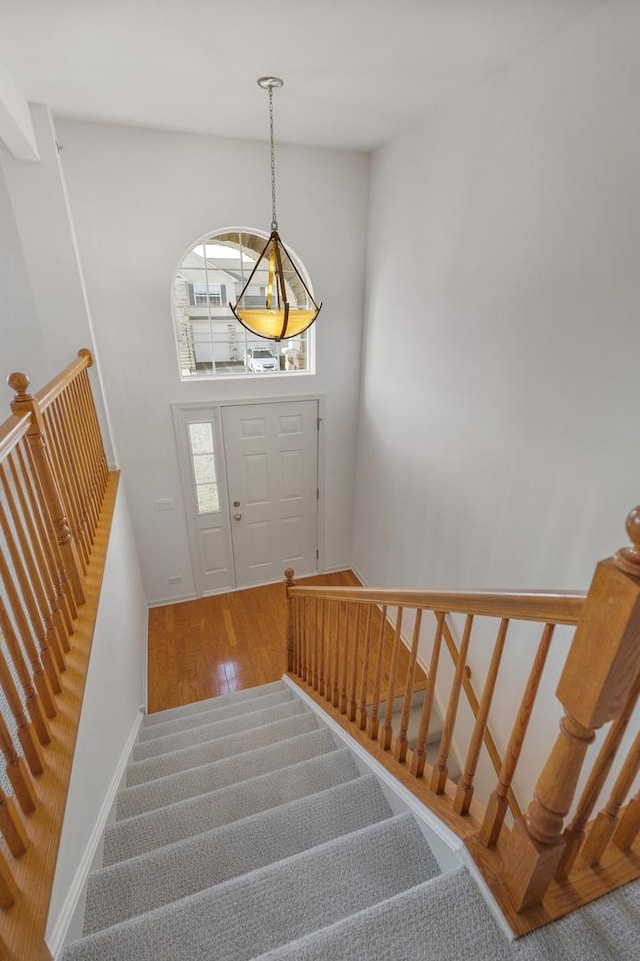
{"type": "Point", "coordinates": [285, 305]}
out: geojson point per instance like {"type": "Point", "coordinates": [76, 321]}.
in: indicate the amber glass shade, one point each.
{"type": "Point", "coordinates": [286, 307]}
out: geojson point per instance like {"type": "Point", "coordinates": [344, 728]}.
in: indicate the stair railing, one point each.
{"type": "Point", "coordinates": [344, 647]}
{"type": "Point", "coordinates": [56, 498]}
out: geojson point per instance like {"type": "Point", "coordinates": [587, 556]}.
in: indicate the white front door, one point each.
{"type": "Point", "coordinates": [271, 453]}
{"type": "Point", "coordinates": [250, 478]}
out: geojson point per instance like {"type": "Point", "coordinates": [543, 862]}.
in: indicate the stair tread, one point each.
{"type": "Point", "coordinates": [222, 699]}
{"type": "Point", "coordinates": [186, 722]}
{"type": "Point", "coordinates": [141, 772]}
{"type": "Point", "coordinates": [178, 870]}
{"type": "Point", "coordinates": [152, 829]}
{"type": "Point", "coordinates": [186, 784]}
{"type": "Point", "coordinates": [215, 729]}
{"type": "Point", "coordinates": [271, 906]}
{"type": "Point", "coordinates": [443, 919]}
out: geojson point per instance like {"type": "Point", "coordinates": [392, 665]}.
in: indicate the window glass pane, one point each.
{"type": "Point", "coordinates": [210, 340]}
{"type": "Point", "coordinates": [208, 499]}
{"type": "Point", "coordinates": [201, 437]}
{"type": "Point", "coordinates": [204, 469]}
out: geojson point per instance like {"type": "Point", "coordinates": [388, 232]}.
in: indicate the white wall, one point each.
{"type": "Point", "coordinates": [21, 339]}
{"type": "Point", "coordinates": [139, 198]}
{"type": "Point", "coordinates": [41, 243]}
{"type": "Point", "coordinates": [115, 690]}
{"type": "Point", "coordinates": [501, 450]}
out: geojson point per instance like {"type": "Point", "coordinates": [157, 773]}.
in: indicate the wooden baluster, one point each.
{"type": "Point", "coordinates": [79, 460]}
{"type": "Point", "coordinates": [297, 656]}
{"type": "Point", "coordinates": [440, 771]}
{"type": "Point", "coordinates": [315, 642]}
{"type": "Point", "coordinates": [289, 581]}
{"type": "Point", "coordinates": [25, 403]}
{"type": "Point", "coordinates": [30, 483]}
{"type": "Point", "coordinates": [92, 419]}
{"type": "Point", "coordinates": [337, 664]}
{"type": "Point", "coordinates": [328, 681]}
{"type": "Point", "coordinates": [26, 733]}
{"type": "Point", "coordinates": [42, 547]}
{"type": "Point", "coordinates": [32, 559]}
{"type": "Point", "coordinates": [419, 755]}
{"type": "Point", "coordinates": [11, 826]}
{"type": "Point", "coordinates": [17, 772]}
{"type": "Point", "coordinates": [574, 833]}
{"type": "Point", "coordinates": [322, 647]}
{"type": "Point", "coordinates": [629, 825]}
{"type": "Point", "coordinates": [499, 800]}
{"type": "Point", "coordinates": [82, 441]}
{"type": "Point", "coordinates": [40, 675]}
{"type": "Point", "coordinates": [304, 640]}
{"type": "Point", "coordinates": [386, 734]}
{"type": "Point", "coordinates": [344, 662]}
{"type": "Point", "coordinates": [352, 704]}
{"type": "Point", "coordinates": [93, 427]}
{"type": "Point", "coordinates": [606, 822]}
{"type": "Point", "coordinates": [401, 743]}
{"type": "Point", "coordinates": [27, 591]}
{"type": "Point", "coordinates": [361, 714]}
{"type": "Point", "coordinates": [464, 792]}
{"type": "Point", "coordinates": [372, 722]}
{"type": "Point", "coordinates": [37, 712]}
{"type": "Point", "coordinates": [602, 665]}
{"type": "Point", "coordinates": [9, 891]}
{"type": "Point", "coordinates": [66, 473]}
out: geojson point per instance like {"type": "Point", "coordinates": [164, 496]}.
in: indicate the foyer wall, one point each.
{"type": "Point", "coordinates": [138, 199]}
{"type": "Point", "coordinates": [501, 450]}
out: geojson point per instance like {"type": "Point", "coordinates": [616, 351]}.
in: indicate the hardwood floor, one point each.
{"type": "Point", "coordinates": [222, 643]}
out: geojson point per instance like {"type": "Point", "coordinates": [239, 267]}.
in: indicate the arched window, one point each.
{"type": "Point", "coordinates": [210, 341]}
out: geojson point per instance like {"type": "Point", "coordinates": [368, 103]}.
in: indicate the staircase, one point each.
{"type": "Point", "coordinates": [244, 830]}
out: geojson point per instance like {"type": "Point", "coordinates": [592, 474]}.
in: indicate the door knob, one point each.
{"type": "Point", "coordinates": [236, 503]}
{"type": "Point", "coordinates": [237, 516]}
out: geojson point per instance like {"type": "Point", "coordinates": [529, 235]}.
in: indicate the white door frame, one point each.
{"type": "Point", "coordinates": [185, 477]}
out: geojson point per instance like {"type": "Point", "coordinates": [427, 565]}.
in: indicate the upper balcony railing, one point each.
{"type": "Point", "coordinates": [56, 498]}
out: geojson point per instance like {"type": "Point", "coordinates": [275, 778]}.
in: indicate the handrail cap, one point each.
{"type": "Point", "coordinates": [628, 558]}
{"type": "Point", "coordinates": [18, 382]}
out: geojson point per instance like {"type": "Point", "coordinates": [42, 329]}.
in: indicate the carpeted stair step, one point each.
{"type": "Point", "coordinates": [178, 870]}
{"type": "Point", "coordinates": [218, 728]}
{"type": "Point", "coordinates": [274, 905]}
{"type": "Point", "coordinates": [218, 774]}
{"type": "Point", "coordinates": [222, 700]}
{"type": "Point", "coordinates": [444, 919]}
{"type": "Point", "coordinates": [233, 745]}
{"type": "Point", "coordinates": [207, 716]}
{"type": "Point", "coordinates": [153, 829]}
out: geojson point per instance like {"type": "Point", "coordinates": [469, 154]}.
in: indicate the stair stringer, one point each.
{"type": "Point", "coordinates": [447, 847]}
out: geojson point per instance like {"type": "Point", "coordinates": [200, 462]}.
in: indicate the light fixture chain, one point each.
{"type": "Point", "coordinates": [274, 222]}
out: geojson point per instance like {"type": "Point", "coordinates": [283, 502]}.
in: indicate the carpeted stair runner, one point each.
{"type": "Point", "coordinates": [245, 831]}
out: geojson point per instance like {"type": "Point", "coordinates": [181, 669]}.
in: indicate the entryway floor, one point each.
{"type": "Point", "coordinates": [222, 643]}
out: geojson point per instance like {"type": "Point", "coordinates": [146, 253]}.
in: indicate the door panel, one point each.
{"type": "Point", "coordinates": [271, 453]}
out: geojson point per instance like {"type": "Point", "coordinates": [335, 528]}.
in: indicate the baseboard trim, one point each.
{"type": "Point", "coordinates": [57, 938]}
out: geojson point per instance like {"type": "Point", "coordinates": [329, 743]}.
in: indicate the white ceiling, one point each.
{"type": "Point", "coordinates": [355, 71]}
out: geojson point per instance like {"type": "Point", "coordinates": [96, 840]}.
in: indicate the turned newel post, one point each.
{"type": "Point", "coordinates": [602, 665]}
{"type": "Point", "coordinates": [289, 582]}
{"type": "Point", "coordinates": [24, 403]}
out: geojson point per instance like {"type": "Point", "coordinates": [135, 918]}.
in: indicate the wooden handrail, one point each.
{"type": "Point", "coordinates": [47, 394]}
{"type": "Point", "coordinates": [553, 607]}
{"type": "Point", "coordinates": [11, 433]}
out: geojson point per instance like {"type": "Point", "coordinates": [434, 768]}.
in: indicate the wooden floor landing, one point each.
{"type": "Point", "coordinates": [223, 643]}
